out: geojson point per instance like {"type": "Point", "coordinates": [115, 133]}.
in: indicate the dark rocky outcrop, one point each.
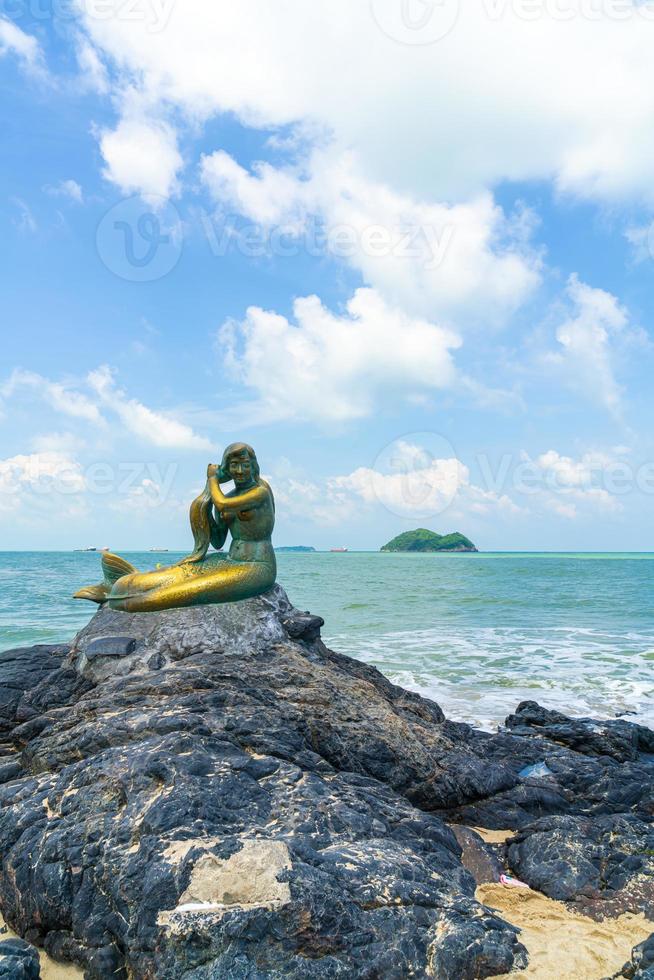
{"type": "Point", "coordinates": [19, 960]}
{"type": "Point", "coordinates": [641, 964]}
{"type": "Point", "coordinates": [22, 672]}
{"type": "Point", "coordinates": [211, 792]}
{"type": "Point", "coordinates": [607, 859]}
{"type": "Point", "coordinates": [618, 739]}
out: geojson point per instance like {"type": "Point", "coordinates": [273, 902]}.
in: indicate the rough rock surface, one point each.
{"type": "Point", "coordinates": [608, 859]}
{"type": "Point", "coordinates": [19, 960]}
{"type": "Point", "coordinates": [211, 792]}
{"type": "Point", "coordinates": [618, 739]}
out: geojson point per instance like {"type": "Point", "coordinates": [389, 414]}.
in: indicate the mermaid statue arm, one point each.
{"type": "Point", "coordinates": [240, 501]}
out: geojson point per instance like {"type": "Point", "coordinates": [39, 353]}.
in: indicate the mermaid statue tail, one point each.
{"type": "Point", "coordinates": [218, 578]}
{"type": "Point", "coordinates": [96, 593]}
{"type": "Point", "coordinates": [113, 568]}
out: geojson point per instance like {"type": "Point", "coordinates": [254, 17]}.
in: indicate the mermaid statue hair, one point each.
{"type": "Point", "coordinates": [206, 529]}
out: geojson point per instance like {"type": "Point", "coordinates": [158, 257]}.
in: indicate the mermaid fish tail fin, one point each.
{"type": "Point", "coordinates": [113, 568]}
{"type": "Point", "coordinates": [96, 593]}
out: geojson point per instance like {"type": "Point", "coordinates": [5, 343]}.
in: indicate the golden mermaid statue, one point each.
{"type": "Point", "coordinates": [247, 512]}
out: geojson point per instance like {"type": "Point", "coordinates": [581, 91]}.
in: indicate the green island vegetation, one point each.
{"type": "Point", "coordinates": [296, 547]}
{"type": "Point", "coordinates": [423, 540]}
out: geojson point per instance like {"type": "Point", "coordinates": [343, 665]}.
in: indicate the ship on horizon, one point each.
{"type": "Point", "coordinates": [338, 550]}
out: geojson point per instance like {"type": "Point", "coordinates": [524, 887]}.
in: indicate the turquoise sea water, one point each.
{"type": "Point", "coordinates": [477, 633]}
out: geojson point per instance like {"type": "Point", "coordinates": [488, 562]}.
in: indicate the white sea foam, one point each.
{"type": "Point", "coordinates": [481, 675]}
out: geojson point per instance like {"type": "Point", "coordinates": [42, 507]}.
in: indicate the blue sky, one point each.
{"type": "Point", "coordinates": [402, 249]}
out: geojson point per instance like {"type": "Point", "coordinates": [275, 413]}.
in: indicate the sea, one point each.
{"type": "Point", "coordinates": [478, 633]}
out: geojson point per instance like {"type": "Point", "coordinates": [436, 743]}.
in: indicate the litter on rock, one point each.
{"type": "Point", "coordinates": [512, 882]}
{"type": "Point", "coordinates": [540, 769]}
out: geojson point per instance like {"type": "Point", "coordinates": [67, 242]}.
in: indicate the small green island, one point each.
{"type": "Point", "coordinates": [295, 547]}
{"type": "Point", "coordinates": [423, 540]}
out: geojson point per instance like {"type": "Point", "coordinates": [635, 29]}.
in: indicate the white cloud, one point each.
{"type": "Point", "coordinates": [548, 99]}
{"type": "Point", "coordinates": [641, 239]}
{"type": "Point", "coordinates": [42, 490]}
{"type": "Point", "coordinates": [93, 73]}
{"type": "Point", "coordinates": [268, 195]}
{"type": "Point", "coordinates": [416, 486]}
{"type": "Point", "coordinates": [307, 500]}
{"type": "Point", "coordinates": [25, 222]}
{"type": "Point", "coordinates": [433, 259]}
{"type": "Point", "coordinates": [43, 473]}
{"type": "Point", "coordinates": [158, 428]}
{"type": "Point", "coordinates": [420, 486]}
{"type": "Point", "coordinates": [61, 396]}
{"type": "Point", "coordinates": [439, 491]}
{"type": "Point", "coordinates": [569, 472]}
{"type": "Point", "coordinates": [587, 343]}
{"type": "Point", "coordinates": [24, 46]}
{"type": "Point", "coordinates": [570, 484]}
{"type": "Point", "coordinates": [385, 135]}
{"type": "Point", "coordinates": [421, 489]}
{"type": "Point", "coordinates": [481, 501]}
{"type": "Point", "coordinates": [155, 427]}
{"type": "Point", "coordinates": [66, 188]}
{"type": "Point", "coordinates": [142, 157]}
{"type": "Point", "coordinates": [567, 502]}
{"type": "Point", "coordinates": [331, 367]}
{"type": "Point", "coordinates": [305, 497]}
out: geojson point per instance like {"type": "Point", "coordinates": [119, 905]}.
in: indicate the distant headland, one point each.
{"type": "Point", "coordinates": [296, 547]}
{"type": "Point", "coordinates": [423, 540]}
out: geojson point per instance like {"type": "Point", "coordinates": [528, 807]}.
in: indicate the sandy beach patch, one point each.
{"type": "Point", "coordinates": [50, 969]}
{"type": "Point", "coordinates": [493, 836]}
{"type": "Point", "coordinates": [562, 943]}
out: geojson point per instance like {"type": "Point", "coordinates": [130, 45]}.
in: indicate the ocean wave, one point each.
{"type": "Point", "coordinates": [481, 675]}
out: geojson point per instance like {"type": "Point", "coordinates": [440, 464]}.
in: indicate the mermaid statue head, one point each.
{"type": "Point", "coordinates": [239, 463]}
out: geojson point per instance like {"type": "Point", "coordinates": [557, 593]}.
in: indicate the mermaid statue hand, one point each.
{"type": "Point", "coordinates": [213, 469]}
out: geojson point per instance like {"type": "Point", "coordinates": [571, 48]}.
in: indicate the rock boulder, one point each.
{"type": "Point", "coordinates": [211, 793]}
